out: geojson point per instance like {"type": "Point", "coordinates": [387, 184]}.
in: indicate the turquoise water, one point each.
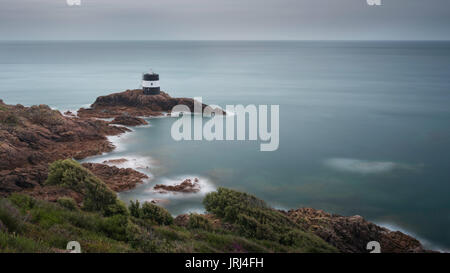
{"type": "Point", "coordinates": [364, 126]}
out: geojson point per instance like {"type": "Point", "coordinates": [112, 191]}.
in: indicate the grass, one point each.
{"type": "Point", "coordinates": [48, 227]}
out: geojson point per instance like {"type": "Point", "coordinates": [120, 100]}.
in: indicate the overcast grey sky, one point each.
{"type": "Point", "coordinates": [224, 19]}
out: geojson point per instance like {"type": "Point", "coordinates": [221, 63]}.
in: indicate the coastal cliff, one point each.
{"type": "Point", "coordinates": [31, 138]}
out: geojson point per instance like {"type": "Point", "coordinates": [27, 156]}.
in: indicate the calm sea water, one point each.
{"type": "Point", "coordinates": [364, 126]}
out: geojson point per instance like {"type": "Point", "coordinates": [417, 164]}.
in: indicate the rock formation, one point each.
{"type": "Point", "coordinates": [134, 103]}
{"type": "Point", "coordinates": [115, 161]}
{"type": "Point", "coordinates": [117, 179]}
{"type": "Point", "coordinates": [351, 234]}
{"type": "Point", "coordinates": [32, 137]}
{"type": "Point", "coordinates": [187, 186]}
{"type": "Point", "coordinates": [128, 121]}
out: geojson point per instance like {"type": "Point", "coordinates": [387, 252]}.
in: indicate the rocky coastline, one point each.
{"type": "Point", "coordinates": [33, 137]}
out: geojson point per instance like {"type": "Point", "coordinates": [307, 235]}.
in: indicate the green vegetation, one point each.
{"type": "Point", "coordinates": [151, 212]}
{"type": "Point", "coordinates": [97, 196]}
{"type": "Point", "coordinates": [197, 221]}
{"type": "Point", "coordinates": [68, 203]}
{"type": "Point", "coordinates": [242, 223]}
{"type": "Point", "coordinates": [254, 219]}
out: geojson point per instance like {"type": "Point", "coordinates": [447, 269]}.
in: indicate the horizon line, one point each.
{"type": "Point", "coordinates": [225, 40]}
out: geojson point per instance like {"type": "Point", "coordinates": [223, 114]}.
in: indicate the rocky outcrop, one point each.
{"type": "Point", "coordinates": [32, 137]}
{"type": "Point", "coordinates": [115, 161]}
{"type": "Point", "coordinates": [117, 179]}
{"type": "Point", "coordinates": [19, 179]}
{"type": "Point", "coordinates": [128, 121]}
{"type": "Point", "coordinates": [187, 186]}
{"type": "Point", "coordinates": [351, 234]}
{"type": "Point", "coordinates": [134, 103]}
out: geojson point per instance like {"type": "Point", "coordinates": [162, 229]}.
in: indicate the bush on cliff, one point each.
{"type": "Point", "coordinates": [150, 212]}
{"type": "Point", "coordinates": [24, 202]}
{"type": "Point", "coordinates": [67, 203]}
{"type": "Point", "coordinates": [97, 196]}
{"type": "Point", "coordinates": [254, 219]}
{"type": "Point", "coordinates": [197, 221]}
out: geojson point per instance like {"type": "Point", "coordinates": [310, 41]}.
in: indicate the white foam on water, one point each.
{"type": "Point", "coordinates": [143, 126]}
{"type": "Point", "coordinates": [205, 185]}
{"type": "Point", "coordinates": [365, 166]}
{"type": "Point", "coordinates": [133, 161]}
{"type": "Point", "coordinates": [163, 115]}
{"type": "Point", "coordinates": [119, 141]}
{"type": "Point", "coordinates": [74, 111]}
{"type": "Point", "coordinates": [105, 119]}
{"type": "Point", "coordinates": [192, 210]}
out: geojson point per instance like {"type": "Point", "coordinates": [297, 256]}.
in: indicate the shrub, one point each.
{"type": "Point", "coordinates": [246, 210]}
{"type": "Point", "coordinates": [197, 221]}
{"type": "Point", "coordinates": [254, 219]}
{"type": "Point", "coordinates": [68, 203]}
{"type": "Point", "coordinates": [25, 202]}
{"type": "Point", "coordinates": [16, 243]}
{"type": "Point", "coordinates": [3, 227]}
{"type": "Point", "coordinates": [156, 213]}
{"type": "Point", "coordinates": [135, 209]}
{"type": "Point", "coordinates": [115, 227]}
{"type": "Point", "coordinates": [142, 238]}
{"type": "Point", "coordinates": [151, 212]}
{"type": "Point", "coordinates": [10, 217]}
{"type": "Point", "coordinates": [97, 196]}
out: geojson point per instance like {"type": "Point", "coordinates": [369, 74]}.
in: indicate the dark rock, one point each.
{"type": "Point", "coordinates": [134, 103]}
{"type": "Point", "coordinates": [33, 137]}
{"type": "Point", "coordinates": [117, 179]}
{"type": "Point", "coordinates": [351, 234]}
{"type": "Point", "coordinates": [128, 121]}
{"type": "Point", "coordinates": [187, 186]}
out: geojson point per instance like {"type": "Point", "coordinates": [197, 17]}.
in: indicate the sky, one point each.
{"type": "Point", "coordinates": [224, 20]}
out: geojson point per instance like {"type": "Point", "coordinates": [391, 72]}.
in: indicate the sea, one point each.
{"type": "Point", "coordinates": [364, 126]}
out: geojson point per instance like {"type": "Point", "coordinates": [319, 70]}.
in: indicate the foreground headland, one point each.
{"type": "Point", "coordinates": [48, 199]}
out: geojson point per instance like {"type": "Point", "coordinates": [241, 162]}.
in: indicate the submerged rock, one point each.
{"type": "Point", "coordinates": [69, 113]}
{"type": "Point", "coordinates": [187, 186]}
{"type": "Point", "coordinates": [115, 161]}
{"type": "Point", "coordinates": [160, 201]}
